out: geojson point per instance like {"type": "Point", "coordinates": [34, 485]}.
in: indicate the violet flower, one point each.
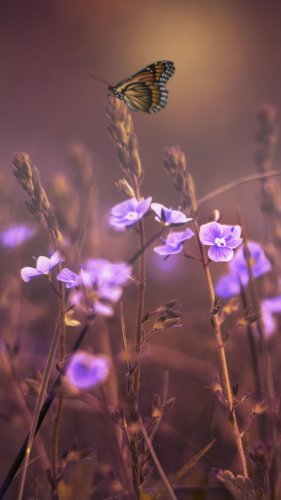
{"type": "Point", "coordinates": [260, 264]}
{"type": "Point", "coordinates": [229, 285]}
{"type": "Point", "coordinates": [174, 242]}
{"type": "Point", "coordinates": [15, 235]}
{"type": "Point", "coordinates": [269, 307]}
{"type": "Point", "coordinates": [43, 266]}
{"type": "Point", "coordinates": [128, 212]}
{"type": "Point", "coordinates": [85, 370]}
{"type": "Point", "coordinates": [100, 285]}
{"type": "Point", "coordinates": [168, 216]}
{"type": "Point", "coordinates": [222, 239]}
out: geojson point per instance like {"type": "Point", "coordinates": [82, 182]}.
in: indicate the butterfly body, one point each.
{"type": "Point", "coordinates": [146, 90]}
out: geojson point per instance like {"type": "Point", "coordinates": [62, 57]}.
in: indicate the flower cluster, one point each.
{"type": "Point", "coordinates": [96, 288]}
{"type": "Point", "coordinates": [230, 284]}
{"type": "Point", "coordinates": [98, 285]}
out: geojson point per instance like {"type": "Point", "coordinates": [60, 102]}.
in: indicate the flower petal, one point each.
{"type": "Point", "coordinates": [27, 273]}
{"type": "Point", "coordinates": [56, 259]}
{"type": "Point", "coordinates": [69, 277]}
{"type": "Point", "coordinates": [231, 232]}
{"type": "Point", "coordinates": [234, 243]}
{"type": "Point", "coordinates": [168, 250]}
{"type": "Point", "coordinates": [209, 232]}
{"type": "Point", "coordinates": [220, 254]}
{"type": "Point", "coordinates": [43, 264]}
{"type": "Point", "coordinates": [228, 286]}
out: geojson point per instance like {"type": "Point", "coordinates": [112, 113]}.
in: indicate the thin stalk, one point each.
{"type": "Point", "coordinates": [61, 304]}
{"type": "Point", "coordinates": [156, 461]}
{"type": "Point", "coordinates": [223, 361]}
{"type": "Point", "coordinates": [43, 389]}
{"type": "Point", "coordinates": [43, 412]}
{"type": "Point", "coordinates": [252, 346]}
{"type": "Point", "coordinates": [59, 411]}
{"type": "Point", "coordinates": [138, 341]}
{"type": "Point", "coordinates": [233, 184]}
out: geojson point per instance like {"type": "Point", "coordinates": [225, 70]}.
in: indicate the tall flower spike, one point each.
{"type": "Point", "coordinates": [37, 204]}
{"type": "Point", "coordinates": [121, 130]}
{"type": "Point", "coordinates": [176, 165]}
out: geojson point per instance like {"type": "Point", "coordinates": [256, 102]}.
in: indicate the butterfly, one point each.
{"type": "Point", "coordinates": [146, 90]}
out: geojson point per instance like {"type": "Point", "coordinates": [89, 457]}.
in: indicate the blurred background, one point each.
{"type": "Point", "coordinates": [227, 62]}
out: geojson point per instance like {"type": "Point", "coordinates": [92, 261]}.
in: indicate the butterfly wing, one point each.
{"type": "Point", "coordinates": [146, 90]}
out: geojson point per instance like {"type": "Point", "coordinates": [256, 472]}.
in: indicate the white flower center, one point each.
{"type": "Point", "coordinates": [132, 215]}
{"type": "Point", "coordinates": [220, 242]}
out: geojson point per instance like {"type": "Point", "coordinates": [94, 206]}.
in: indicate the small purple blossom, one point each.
{"type": "Point", "coordinates": [174, 242]}
{"type": "Point", "coordinates": [230, 284]}
{"type": "Point", "coordinates": [168, 216]}
{"type": "Point", "coordinates": [260, 264]}
{"type": "Point", "coordinates": [85, 370]}
{"type": "Point", "coordinates": [128, 212]}
{"type": "Point", "coordinates": [222, 239]}
{"type": "Point", "coordinates": [15, 235]}
{"type": "Point", "coordinates": [43, 266]}
{"type": "Point", "coordinates": [269, 307]}
{"type": "Point", "coordinates": [101, 283]}
{"type": "Point", "coordinates": [70, 278]}
{"type": "Point", "coordinates": [104, 271]}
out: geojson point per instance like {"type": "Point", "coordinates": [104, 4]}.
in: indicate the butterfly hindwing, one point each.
{"type": "Point", "coordinates": [146, 89]}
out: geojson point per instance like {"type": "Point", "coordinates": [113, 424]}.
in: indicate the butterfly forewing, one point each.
{"type": "Point", "coordinates": [146, 89]}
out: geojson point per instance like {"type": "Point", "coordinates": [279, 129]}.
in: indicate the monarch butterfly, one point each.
{"type": "Point", "coordinates": [145, 90]}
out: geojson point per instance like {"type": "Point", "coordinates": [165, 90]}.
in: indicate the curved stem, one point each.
{"type": "Point", "coordinates": [238, 182]}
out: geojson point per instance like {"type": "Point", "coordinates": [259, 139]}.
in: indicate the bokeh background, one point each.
{"type": "Point", "coordinates": [227, 61]}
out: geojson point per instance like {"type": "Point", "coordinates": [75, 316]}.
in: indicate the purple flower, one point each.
{"type": "Point", "coordinates": [268, 307]}
{"type": "Point", "coordinates": [111, 273]}
{"type": "Point", "coordinates": [222, 239]}
{"type": "Point", "coordinates": [16, 235]}
{"type": "Point", "coordinates": [174, 242]}
{"type": "Point", "coordinates": [169, 216]}
{"type": "Point", "coordinates": [229, 285]}
{"type": "Point", "coordinates": [128, 212]}
{"type": "Point", "coordinates": [85, 370]}
{"type": "Point", "coordinates": [70, 278]}
{"type": "Point", "coordinates": [102, 282]}
{"type": "Point", "coordinates": [260, 264]}
{"type": "Point", "coordinates": [43, 266]}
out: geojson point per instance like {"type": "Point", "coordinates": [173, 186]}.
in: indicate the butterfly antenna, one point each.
{"type": "Point", "coordinates": [99, 79]}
